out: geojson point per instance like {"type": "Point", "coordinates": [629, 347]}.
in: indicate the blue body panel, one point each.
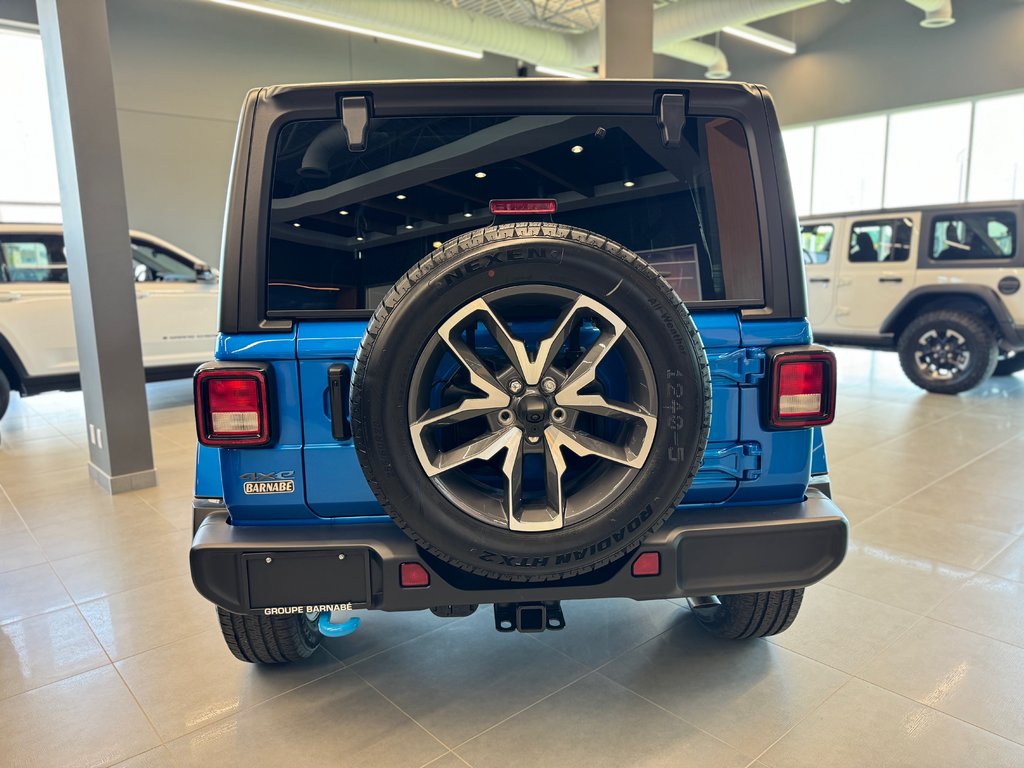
{"type": "Point", "coordinates": [335, 484]}
{"type": "Point", "coordinates": [819, 459]}
{"type": "Point", "coordinates": [743, 464]}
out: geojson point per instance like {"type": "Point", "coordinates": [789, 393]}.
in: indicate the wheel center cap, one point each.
{"type": "Point", "coordinates": [533, 409]}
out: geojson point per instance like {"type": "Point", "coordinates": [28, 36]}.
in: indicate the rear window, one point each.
{"type": "Point", "coordinates": [346, 225]}
{"type": "Point", "coordinates": [974, 235]}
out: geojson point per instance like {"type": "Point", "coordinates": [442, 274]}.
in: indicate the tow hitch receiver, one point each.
{"type": "Point", "coordinates": [528, 617]}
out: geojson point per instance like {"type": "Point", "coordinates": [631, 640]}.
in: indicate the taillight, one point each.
{"type": "Point", "coordinates": [803, 389]}
{"type": "Point", "coordinates": [231, 407]}
{"type": "Point", "coordinates": [523, 207]}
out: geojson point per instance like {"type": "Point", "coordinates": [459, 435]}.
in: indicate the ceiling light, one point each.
{"type": "Point", "coordinates": [629, 183]}
{"type": "Point", "coordinates": [480, 175]}
{"type": "Point", "coordinates": [572, 75]}
{"type": "Point", "coordinates": [296, 224]}
{"type": "Point", "coordinates": [408, 226]}
{"type": "Point", "coordinates": [321, 22]}
{"type": "Point", "coordinates": [399, 197]}
{"type": "Point", "coordinates": [767, 39]}
{"type": "Point", "coordinates": [437, 243]}
{"type": "Point", "coordinates": [359, 238]}
{"type": "Point", "coordinates": [576, 149]}
{"type": "Point", "coordinates": [343, 213]}
{"type": "Point", "coordinates": [468, 215]}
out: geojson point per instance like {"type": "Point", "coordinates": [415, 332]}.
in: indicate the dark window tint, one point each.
{"type": "Point", "coordinates": [28, 259]}
{"type": "Point", "coordinates": [816, 242]}
{"type": "Point", "coordinates": [881, 240]}
{"type": "Point", "coordinates": [346, 225]}
{"type": "Point", "coordinates": [975, 235]}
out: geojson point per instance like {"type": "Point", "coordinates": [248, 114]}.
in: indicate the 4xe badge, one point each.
{"type": "Point", "coordinates": [269, 482]}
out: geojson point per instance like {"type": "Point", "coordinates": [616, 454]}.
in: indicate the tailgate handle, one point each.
{"type": "Point", "coordinates": [818, 280]}
{"type": "Point", "coordinates": [338, 377]}
{"type": "Point", "coordinates": [890, 279]}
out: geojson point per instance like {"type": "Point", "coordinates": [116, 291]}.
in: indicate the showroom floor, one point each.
{"type": "Point", "coordinates": [911, 654]}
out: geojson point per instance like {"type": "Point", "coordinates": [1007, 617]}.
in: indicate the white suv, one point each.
{"type": "Point", "coordinates": [177, 300]}
{"type": "Point", "coordinates": [941, 285]}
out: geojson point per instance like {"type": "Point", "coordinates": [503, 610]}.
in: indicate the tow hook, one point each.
{"type": "Point", "coordinates": [528, 617]}
{"type": "Point", "coordinates": [329, 629]}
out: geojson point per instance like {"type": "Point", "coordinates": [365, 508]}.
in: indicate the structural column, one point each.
{"type": "Point", "coordinates": [627, 39]}
{"type": "Point", "coordinates": [76, 50]}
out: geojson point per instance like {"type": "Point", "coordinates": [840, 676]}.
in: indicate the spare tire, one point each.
{"type": "Point", "coordinates": [530, 402]}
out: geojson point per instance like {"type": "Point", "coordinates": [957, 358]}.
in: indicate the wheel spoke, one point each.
{"type": "Point", "coordinates": [514, 349]}
{"type": "Point", "coordinates": [554, 465]}
{"type": "Point", "coordinates": [585, 369]}
{"type": "Point", "coordinates": [486, 447]}
{"type": "Point", "coordinates": [587, 445]}
{"type": "Point", "coordinates": [641, 437]}
{"type": "Point", "coordinates": [512, 468]}
{"type": "Point", "coordinates": [480, 375]}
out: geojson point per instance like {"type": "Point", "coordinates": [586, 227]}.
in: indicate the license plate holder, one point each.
{"type": "Point", "coordinates": [318, 577]}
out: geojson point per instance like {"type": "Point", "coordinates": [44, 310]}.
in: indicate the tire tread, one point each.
{"type": "Point", "coordinates": [267, 639]}
{"type": "Point", "coordinates": [755, 614]}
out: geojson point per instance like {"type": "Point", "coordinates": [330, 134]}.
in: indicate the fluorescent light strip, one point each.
{"type": "Point", "coordinates": [752, 35]}
{"type": "Point", "coordinates": [282, 14]}
{"type": "Point", "coordinates": [565, 73]}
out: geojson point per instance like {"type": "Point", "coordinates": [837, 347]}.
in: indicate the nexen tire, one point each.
{"type": "Point", "coordinates": [555, 257]}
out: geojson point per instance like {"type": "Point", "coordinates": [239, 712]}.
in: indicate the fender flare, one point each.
{"type": "Point", "coordinates": [1004, 321]}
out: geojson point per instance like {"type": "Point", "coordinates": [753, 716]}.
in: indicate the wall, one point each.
{"type": "Point", "coordinates": [871, 56]}
{"type": "Point", "coordinates": [181, 70]}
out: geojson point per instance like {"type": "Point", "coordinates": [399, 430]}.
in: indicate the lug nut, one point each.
{"type": "Point", "coordinates": [505, 417]}
{"type": "Point", "coordinates": [515, 386]}
{"type": "Point", "coordinates": [548, 385]}
{"type": "Point", "coordinates": [558, 415]}
{"type": "Point", "coordinates": [533, 439]}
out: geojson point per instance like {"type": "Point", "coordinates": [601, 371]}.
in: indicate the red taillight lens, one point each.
{"type": "Point", "coordinates": [522, 207]}
{"type": "Point", "coordinates": [231, 407]}
{"type": "Point", "coordinates": [803, 389]}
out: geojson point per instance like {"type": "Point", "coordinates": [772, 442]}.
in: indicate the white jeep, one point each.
{"type": "Point", "coordinates": [941, 285]}
{"type": "Point", "coordinates": [177, 301]}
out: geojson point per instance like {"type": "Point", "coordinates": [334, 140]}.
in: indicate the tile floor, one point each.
{"type": "Point", "coordinates": [911, 654]}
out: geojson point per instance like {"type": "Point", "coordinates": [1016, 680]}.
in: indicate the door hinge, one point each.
{"type": "Point", "coordinates": [742, 461]}
{"type": "Point", "coordinates": [743, 366]}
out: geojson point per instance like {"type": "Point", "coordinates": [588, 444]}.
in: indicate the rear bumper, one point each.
{"type": "Point", "coordinates": [728, 550]}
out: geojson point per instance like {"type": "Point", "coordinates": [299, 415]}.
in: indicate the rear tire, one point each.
{"type": "Point", "coordinates": [757, 614]}
{"type": "Point", "coordinates": [269, 639]}
{"type": "Point", "coordinates": [948, 351]}
{"type": "Point", "coordinates": [1010, 365]}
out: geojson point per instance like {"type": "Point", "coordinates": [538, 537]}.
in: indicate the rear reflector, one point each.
{"type": "Point", "coordinates": [413, 575]}
{"type": "Point", "coordinates": [803, 389]}
{"type": "Point", "coordinates": [522, 207]}
{"type": "Point", "coordinates": [231, 407]}
{"type": "Point", "coordinates": [647, 564]}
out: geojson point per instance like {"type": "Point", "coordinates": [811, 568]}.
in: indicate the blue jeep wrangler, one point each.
{"type": "Point", "coordinates": [512, 343]}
